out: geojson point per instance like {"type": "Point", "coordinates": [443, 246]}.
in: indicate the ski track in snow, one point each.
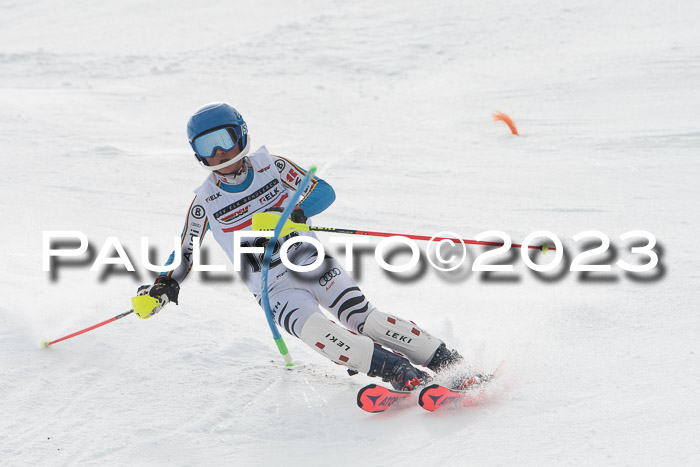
{"type": "Point", "coordinates": [392, 101]}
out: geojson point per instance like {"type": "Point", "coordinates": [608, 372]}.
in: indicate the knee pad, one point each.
{"type": "Point", "coordinates": [401, 335]}
{"type": "Point", "coordinates": [337, 343]}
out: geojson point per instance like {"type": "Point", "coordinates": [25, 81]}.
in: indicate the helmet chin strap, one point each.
{"type": "Point", "coordinates": [228, 178]}
{"type": "Point", "coordinates": [236, 177]}
{"type": "Point", "coordinates": [223, 165]}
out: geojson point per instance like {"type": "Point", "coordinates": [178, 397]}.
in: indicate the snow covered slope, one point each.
{"type": "Point", "coordinates": [392, 101]}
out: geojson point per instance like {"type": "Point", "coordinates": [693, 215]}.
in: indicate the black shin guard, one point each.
{"type": "Point", "coordinates": [444, 358]}
{"type": "Point", "coordinates": [395, 369]}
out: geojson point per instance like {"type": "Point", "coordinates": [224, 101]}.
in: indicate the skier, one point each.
{"type": "Point", "coordinates": [242, 182]}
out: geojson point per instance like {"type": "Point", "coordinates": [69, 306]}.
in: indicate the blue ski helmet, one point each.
{"type": "Point", "coordinates": [217, 125]}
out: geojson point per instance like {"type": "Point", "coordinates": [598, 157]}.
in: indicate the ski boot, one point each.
{"type": "Point", "coordinates": [395, 369]}
{"type": "Point", "coordinates": [444, 359]}
{"type": "Point", "coordinates": [447, 362]}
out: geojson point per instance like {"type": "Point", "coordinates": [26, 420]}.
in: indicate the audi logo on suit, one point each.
{"type": "Point", "coordinates": [326, 278]}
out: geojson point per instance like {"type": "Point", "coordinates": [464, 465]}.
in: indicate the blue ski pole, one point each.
{"type": "Point", "coordinates": [266, 267]}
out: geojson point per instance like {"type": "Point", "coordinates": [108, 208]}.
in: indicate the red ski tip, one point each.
{"type": "Point", "coordinates": [373, 398]}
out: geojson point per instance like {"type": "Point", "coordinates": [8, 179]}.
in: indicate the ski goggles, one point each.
{"type": "Point", "coordinates": [224, 138]}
